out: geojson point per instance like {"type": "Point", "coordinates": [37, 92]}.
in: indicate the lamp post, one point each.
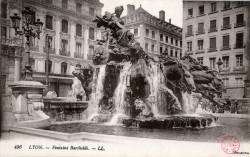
{"type": "Point", "coordinates": [29, 29]}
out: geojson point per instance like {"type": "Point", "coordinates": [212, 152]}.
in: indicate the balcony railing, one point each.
{"type": "Point", "coordinates": [240, 24]}
{"type": "Point", "coordinates": [225, 47]}
{"type": "Point", "coordinates": [226, 8]}
{"type": "Point", "coordinates": [225, 69]}
{"type": "Point", "coordinates": [213, 49]}
{"type": "Point", "coordinates": [11, 41]}
{"type": "Point", "coordinates": [200, 32]}
{"type": "Point", "coordinates": [78, 55]}
{"type": "Point", "coordinates": [200, 51]}
{"type": "Point", "coordinates": [34, 48]}
{"type": "Point", "coordinates": [239, 46]}
{"type": "Point", "coordinates": [64, 52]}
{"type": "Point", "coordinates": [224, 27]}
{"type": "Point", "coordinates": [189, 34]}
{"type": "Point", "coordinates": [213, 29]}
{"type": "Point", "coordinates": [239, 68]}
{"type": "Point", "coordinates": [51, 50]}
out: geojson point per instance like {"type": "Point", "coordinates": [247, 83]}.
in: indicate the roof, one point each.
{"type": "Point", "coordinates": [166, 26]}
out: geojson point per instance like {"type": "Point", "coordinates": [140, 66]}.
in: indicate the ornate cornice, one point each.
{"type": "Point", "coordinates": [60, 10]}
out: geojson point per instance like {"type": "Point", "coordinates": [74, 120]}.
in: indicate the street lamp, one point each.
{"type": "Point", "coordinates": [30, 28]}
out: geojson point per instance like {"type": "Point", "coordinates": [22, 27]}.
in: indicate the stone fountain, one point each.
{"type": "Point", "coordinates": [145, 90]}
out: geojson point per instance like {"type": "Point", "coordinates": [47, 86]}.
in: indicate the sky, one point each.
{"type": "Point", "coordinates": [172, 8]}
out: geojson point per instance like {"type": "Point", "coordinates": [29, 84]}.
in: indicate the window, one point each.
{"type": "Point", "coordinates": [152, 47]}
{"type": "Point", "coordinates": [212, 44]}
{"type": "Point", "coordinates": [49, 42]}
{"type": "Point", "coordinates": [212, 63]}
{"type": "Point", "coordinates": [176, 42]}
{"type": "Point", "coordinates": [225, 82]}
{"type": "Point", "coordinates": [190, 30]}
{"type": "Point", "coordinates": [200, 60]}
{"type": "Point", "coordinates": [63, 68]}
{"type": "Point", "coordinates": [3, 83]}
{"type": "Point", "coordinates": [92, 11]}
{"type": "Point", "coordinates": [213, 7]}
{"type": "Point", "coordinates": [200, 44]}
{"type": "Point", "coordinates": [201, 28]}
{"type": "Point", "coordinates": [78, 30]}
{"type": "Point", "coordinates": [49, 22]}
{"type": "Point", "coordinates": [136, 31]}
{"type": "Point", "coordinates": [161, 50]}
{"type": "Point", "coordinates": [161, 37]}
{"type": "Point", "coordinates": [78, 7]}
{"type": "Point", "coordinates": [32, 17]}
{"type": "Point", "coordinates": [64, 4]}
{"type": "Point", "coordinates": [240, 20]}
{"type": "Point", "coordinates": [201, 10]}
{"type": "Point", "coordinates": [226, 23]}
{"type": "Point", "coordinates": [49, 67]}
{"type": "Point", "coordinates": [166, 51]}
{"type": "Point", "coordinates": [64, 26]}
{"type": "Point", "coordinates": [176, 53]}
{"type": "Point", "coordinates": [225, 60]}
{"type": "Point", "coordinates": [4, 32]}
{"type": "Point", "coordinates": [171, 53]}
{"type": "Point", "coordinates": [226, 5]}
{"type": "Point", "coordinates": [239, 40]}
{"type": "Point", "coordinates": [172, 41]}
{"type": "Point", "coordinates": [239, 81]}
{"type": "Point", "coordinates": [146, 46]}
{"type": "Point", "coordinates": [4, 10]}
{"type": "Point", "coordinates": [153, 34]}
{"type": "Point", "coordinates": [147, 32]}
{"type": "Point", "coordinates": [213, 26]}
{"type": "Point", "coordinates": [225, 42]}
{"type": "Point", "coordinates": [166, 39]}
{"type": "Point", "coordinates": [180, 55]}
{"type": "Point", "coordinates": [240, 3]}
{"type": "Point", "coordinates": [239, 60]}
{"type": "Point", "coordinates": [189, 46]}
{"type": "Point", "coordinates": [181, 43]}
{"type": "Point", "coordinates": [91, 52]}
{"type": "Point", "coordinates": [78, 50]}
{"type": "Point", "coordinates": [64, 47]}
{"type": "Point", "coordinates": [48, 1]}
{"type": "Point", "coordinates": [91, 33]}
{"type": "Point", "coordinates": [190, 12]}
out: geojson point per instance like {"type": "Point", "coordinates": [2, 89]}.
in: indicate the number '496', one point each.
{"type": "Point", "coordinates": [18, 146]}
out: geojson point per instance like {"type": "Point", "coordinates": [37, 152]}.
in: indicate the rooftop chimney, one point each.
{"type": "Point", "coordinates": [169, 21]}
{"type": "Point", "coordinates": [130, 9]}
{"type": "Point", "coordinates": [162, 15]}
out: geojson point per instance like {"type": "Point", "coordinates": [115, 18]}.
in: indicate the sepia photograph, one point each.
{"type": "Point", "coordinates": [139, 78]}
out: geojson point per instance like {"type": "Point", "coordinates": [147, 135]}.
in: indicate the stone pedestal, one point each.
{"type": "Point", "coordinates": [26, 100]}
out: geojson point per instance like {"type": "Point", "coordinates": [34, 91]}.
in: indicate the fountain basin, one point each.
{"type": "Point", "coordinates": [175, 121]}
{"type": "Point", "coordinates": [60, 108]}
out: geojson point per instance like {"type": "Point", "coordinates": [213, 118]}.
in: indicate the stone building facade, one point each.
{"type": "Point", "coordinates": [218, 32]}
{"type": "Point", "coordinates": [154, 34]}
{"type": "Point", "coordinates": [67, 29]}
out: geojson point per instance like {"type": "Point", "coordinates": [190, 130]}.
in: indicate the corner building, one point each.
{"type": "Point", "coordinates": [216, 33]}
{"type": "Point", "coordinates": [155, 35]}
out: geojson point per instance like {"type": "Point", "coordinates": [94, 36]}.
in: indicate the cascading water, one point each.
{"type": "Point", "coordinates": [97, 94]}
{"type": "Point", "coordinates": [120, 90]}
{"type": "Point", "coordinates": [187, 100]}
{"type": "Point", "coordinates": [154, 79]}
